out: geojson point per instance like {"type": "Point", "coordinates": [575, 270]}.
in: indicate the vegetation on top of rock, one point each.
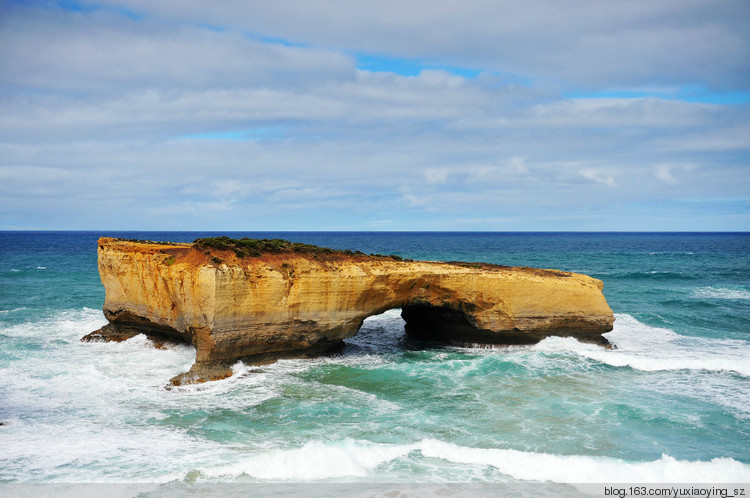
{"type": "Point", "coordinates": [246, 247]}
{"type": "Point", "coordinates": [143, 241]}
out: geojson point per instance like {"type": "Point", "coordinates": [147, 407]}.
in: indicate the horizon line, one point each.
{"type": "Point", "coordinates": [366, 231]}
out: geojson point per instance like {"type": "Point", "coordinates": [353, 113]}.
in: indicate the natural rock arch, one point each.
{"type": "Point", "coordinates": [280, 305]}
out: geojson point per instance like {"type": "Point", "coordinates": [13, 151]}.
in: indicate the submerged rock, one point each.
{"type": "Point", "coordinates": [258, 301]}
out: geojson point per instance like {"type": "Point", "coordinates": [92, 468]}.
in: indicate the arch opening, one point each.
{"type": "Point", "coordinates": [439, 323]}
{"type": "Point", "coordinates": [379, 333]}
{"type": "Point", "coordinates": [411, 325]}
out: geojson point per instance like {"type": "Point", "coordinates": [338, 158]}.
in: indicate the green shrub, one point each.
{"type": "Point", "coordinates": [253, 248]}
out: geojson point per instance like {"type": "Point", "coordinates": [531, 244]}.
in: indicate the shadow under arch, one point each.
{"type": "Point", "coordinates": [449, 323]}
{"type": "Point", "coordinates": [422, 323]}
{"type": "Point", "coordinates": [388, 332]}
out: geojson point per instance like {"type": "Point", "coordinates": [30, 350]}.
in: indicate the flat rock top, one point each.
{"type": "Point", "coordinates": [276, 252]}
{"type": "Point", "coordinates": [261, 299]}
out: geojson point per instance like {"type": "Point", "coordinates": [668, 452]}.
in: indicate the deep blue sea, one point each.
{"type": "Point", "coordinates": [670, 404]}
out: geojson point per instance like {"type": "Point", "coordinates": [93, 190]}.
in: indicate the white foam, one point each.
{"type": "Point", "coordinates": [69, 324]}
{"type": "Point", "coordinates": [270, 381]}
{"type": "Point", "coordinates": [646, 348]}
{"type": "Point", "coordinates": [654, 253]}
{"type": "Point", "coordinates": [13, 310]}
{"type": "Point", "coordinates": [85, 412]}
{"type": "Point", "coordinates": [315, 460]}
{"type": "Point", "coordinates": [97, 450]}
{"type": "Point", "coordinates": [721, 293]}
{"type": "Point", "coordinates": [531, 466]}
{"type": "Point", "coordinates": [319, 460]}
{"type": "Point", "coordinates": [91, 412]}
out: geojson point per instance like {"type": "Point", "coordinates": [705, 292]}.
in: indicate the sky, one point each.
{"type": "Point", "coordinates": [476, 115]}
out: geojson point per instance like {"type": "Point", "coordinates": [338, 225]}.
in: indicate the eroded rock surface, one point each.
{"type": "Point", "coordinates": [260, 308]}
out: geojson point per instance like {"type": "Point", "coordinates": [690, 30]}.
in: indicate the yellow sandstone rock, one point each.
{"type": "Point", "coordinates": [288, 304]}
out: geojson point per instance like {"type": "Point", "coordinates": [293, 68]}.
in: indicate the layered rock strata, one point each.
{"type": "Point", "coordinates": [278, 305]}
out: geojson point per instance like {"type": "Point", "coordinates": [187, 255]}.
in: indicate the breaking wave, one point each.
{"type": "Point", "coordinates": [721, 293]}
{"type": "Point", "coordinates": [318, 460]}
{"type": "Point", "coordinates": [650, 349]}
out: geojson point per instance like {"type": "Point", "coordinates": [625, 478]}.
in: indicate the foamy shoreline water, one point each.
{"type": "Point", "coordinates": [670, 404]}
{"type": "Point", "coordinates": [112, 371]}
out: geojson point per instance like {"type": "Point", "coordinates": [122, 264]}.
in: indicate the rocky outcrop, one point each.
{"type": "Point", "coordinates": [259, 307]}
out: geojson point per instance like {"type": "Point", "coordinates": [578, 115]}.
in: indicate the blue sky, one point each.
{"type": "Point", "coordinates": [347, 115]}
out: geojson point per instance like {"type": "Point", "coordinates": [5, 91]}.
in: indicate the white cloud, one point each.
{"type": "Point", "coordinates": [596, 176]}
{"type": "Point", "coordinates": [103, 117]}
{"type": "Point", "coordinates": [664, 174]}
{"type": "Point", "coordinates": [518, 164]}
{"type": "Point", "coordinates": [96, 53]}
{"type": "Point", "coordinates": [436, 176]}
{"type": "Point", "coordinates": [585, 42]}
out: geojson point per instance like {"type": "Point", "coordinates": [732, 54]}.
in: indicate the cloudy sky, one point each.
{"type": "Point", "coordinates": [375, 115]}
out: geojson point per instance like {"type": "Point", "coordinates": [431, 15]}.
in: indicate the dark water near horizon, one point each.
{"type": "Point", "coordinates": [671, 404]}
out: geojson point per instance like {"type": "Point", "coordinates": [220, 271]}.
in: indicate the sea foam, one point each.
{"type": "Point", "coordinates": [647, 348]}
{"type": "Point", "coordinates": [14, 310]}
{"type": "Point", "coordinates": [533, 466]}
{"type": "Point", "coordinates": [315, 460]}
{"type": "Point", "coordinates": [71, 408]}
{"type": "Point", "coordinates": [319, 460]}
{"type": "Point", "coordinates": [721, 293]}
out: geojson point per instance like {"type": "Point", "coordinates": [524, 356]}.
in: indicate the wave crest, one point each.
{"type": "Point", "coordinates": [317, 460]}
{"type": "Point", "coordinates": [721, 293]}
{"type": "Point", "coordinates": [651, 349]}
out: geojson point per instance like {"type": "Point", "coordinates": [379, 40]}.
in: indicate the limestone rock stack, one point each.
{"type": "Point", "coordinates": [262, 307]}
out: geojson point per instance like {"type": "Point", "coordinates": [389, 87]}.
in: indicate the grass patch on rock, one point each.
{"type": "Point", "coordinates": [253, 248]}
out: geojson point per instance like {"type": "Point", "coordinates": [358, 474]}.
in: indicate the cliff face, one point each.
{"type": "Point", "coordinates": [259, 309]}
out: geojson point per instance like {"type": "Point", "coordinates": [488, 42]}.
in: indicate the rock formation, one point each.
{"type": "Point", "coordinates": [242, 303]}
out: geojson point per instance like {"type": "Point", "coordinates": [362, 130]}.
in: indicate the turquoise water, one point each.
{"type": "Point", "coordinates": [671, 404]}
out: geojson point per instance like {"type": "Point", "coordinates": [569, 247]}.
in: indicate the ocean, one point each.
{"type": "Point", "coordinates": [670, 404]}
